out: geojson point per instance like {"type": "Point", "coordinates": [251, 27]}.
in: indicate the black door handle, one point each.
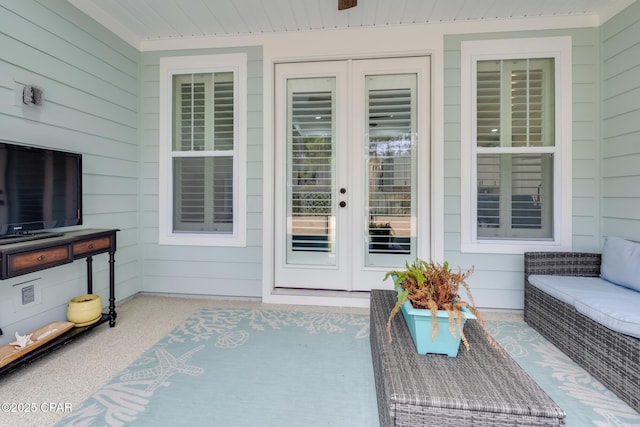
{"type": "Point", "coordinates": [342, 204]}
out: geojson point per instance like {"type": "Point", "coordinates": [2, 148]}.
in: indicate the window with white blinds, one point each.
{"type": "Point", "coordinates": [515, 131]}
{"type": "Point", "coordinates": [516, 145]}
{"type": "Point", "coordinates": [203, 124]}
{"type": "Point", "coordinates": [203, 150]}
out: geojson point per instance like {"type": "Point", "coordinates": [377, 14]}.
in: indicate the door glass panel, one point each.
{"type": "Point", "coordinates": [310, 175]}
{"type": "Point", "coordinates": [391, 168]}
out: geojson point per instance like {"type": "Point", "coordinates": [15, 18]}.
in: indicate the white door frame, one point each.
{"type": "Point", "coordinates": [363, 278]}
{"type": "Point", "coordinates": [419, 65]}
{"type": "Point", "coordinates": [331, 275]}
{"type": "Point", "coordinates": [418, 43]}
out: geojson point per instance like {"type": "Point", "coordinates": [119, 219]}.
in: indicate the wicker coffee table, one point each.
{"type": "Point", "coordinates": [478, 387]}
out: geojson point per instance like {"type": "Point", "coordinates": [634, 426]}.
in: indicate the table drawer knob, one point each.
{"type": "Point", "coordinates": [42, 258]}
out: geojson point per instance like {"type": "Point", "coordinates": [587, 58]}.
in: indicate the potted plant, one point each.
{"type": "Point", "coordinates": [429, 291]}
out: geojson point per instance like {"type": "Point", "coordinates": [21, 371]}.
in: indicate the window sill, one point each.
{"type": "Point", "coordinates": [202, 240]}
{"type": "Point", "coordinates": [513, 246]}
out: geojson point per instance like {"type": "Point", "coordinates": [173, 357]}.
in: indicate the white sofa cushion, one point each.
{"type": "Point", "coordinates": [568, 288]}
{"type": "Point", "coordinates": [610, 310]}
{"type": "Point", "coordinates": [610, 305]}
{"type": "Point", "coordinates": [621, 262]}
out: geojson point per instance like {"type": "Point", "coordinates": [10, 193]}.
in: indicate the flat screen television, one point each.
{"type": "Point", "coordinates": [40, 189]}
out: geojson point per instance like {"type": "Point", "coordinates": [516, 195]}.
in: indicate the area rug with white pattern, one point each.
{"type": "Point", "coordinates": [583, 398]}
{"type": "Point", "coordinates": [250, 367]}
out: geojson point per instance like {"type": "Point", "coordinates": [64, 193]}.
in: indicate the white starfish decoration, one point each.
{"type": "Point", "coordinates": [168, 365]}
{"type": "Point", "coordinates": [22, 341]}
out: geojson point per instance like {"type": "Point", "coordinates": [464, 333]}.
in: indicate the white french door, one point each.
{"type": "Point", "coordinates": [352, 164]}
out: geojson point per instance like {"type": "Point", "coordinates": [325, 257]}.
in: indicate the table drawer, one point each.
{"type": "Point", "coordinates": [88, 246]}
{"type": "Point", "coordinates": [26, 262]}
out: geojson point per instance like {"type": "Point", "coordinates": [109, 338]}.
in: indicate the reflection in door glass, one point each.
{"type": "Point", "coordinates": [310, 178]}
{"type": "Point", "coordinates": [391, 166]}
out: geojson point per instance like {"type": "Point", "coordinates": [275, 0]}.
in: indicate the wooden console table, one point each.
{"type": "Point", "coordinates": [28, 256]}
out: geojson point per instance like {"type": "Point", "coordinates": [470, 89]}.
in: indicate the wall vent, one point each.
{"type": "Point", "coordinates": [28, 294]}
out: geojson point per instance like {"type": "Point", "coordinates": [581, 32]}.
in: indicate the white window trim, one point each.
{"type": "Point", "coordinates": [473, 51]}
{"type": "Point", "coordinates": [236, 62]}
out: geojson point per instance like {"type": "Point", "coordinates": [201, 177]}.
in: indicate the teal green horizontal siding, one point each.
{"type": "Point", "coordinates": [230, 271]}
{"type": "Point", "coordinates": [90, 82]}
{"type": "Point", "coordinates": [621, 124]}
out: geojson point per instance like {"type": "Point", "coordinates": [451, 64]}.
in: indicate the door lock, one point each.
{"type": "Point", "coordinates": [342, 204]}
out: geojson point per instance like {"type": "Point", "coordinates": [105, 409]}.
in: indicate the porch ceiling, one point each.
{"type": "Point", "coordinates": [146, 20]}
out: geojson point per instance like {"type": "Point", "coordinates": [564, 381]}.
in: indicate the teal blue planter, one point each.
{"type": "Point", "coordinates": [420, 326]}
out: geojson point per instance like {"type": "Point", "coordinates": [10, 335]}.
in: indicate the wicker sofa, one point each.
{"type": "Point", "coordinates": [610, 356]}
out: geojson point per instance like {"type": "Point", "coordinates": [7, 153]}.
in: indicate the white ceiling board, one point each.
{"type": "Point", "coordinates": [137, 21]}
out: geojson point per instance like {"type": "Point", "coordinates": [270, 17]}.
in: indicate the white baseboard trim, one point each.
{"type": "Point", "coordinates": [318, 298]}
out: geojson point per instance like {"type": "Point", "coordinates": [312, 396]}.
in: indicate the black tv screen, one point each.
{"type": "Point", "coordinates": [39, 189]}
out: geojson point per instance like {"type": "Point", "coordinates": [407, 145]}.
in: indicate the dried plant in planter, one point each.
{"type": "Point", "coordinates": [433, 286]}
